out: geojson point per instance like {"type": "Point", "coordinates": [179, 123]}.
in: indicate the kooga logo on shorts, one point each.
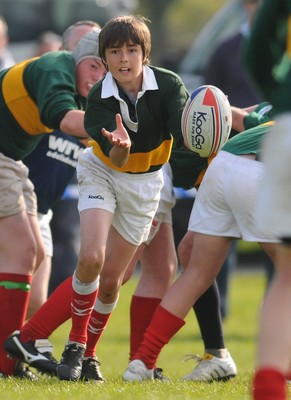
{"type": "Point", "coordinates": [197, 138]}
{"type": "Point", "coordinates": [95, 197]}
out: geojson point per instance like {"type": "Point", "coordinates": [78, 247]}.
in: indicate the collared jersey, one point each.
{"type": "Point", "coordinates": [35, 95]}
{"type": "Point", "coordinates": [152, 123]}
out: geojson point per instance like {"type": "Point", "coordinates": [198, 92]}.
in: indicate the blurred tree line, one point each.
{"type": "Point", "coordinates": [174, 24]}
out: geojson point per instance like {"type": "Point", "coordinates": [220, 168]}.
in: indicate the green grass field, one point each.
{"type": "Point", "coordinates": [246, 293]}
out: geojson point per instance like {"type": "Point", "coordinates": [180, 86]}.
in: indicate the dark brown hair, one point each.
{"type": "Point", "coordinates": [126, 29]}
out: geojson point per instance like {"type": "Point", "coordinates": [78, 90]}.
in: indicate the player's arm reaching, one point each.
{"type": "Point", "coordinates": [120, 141]}
{"type": "Point", "coordinates": [73, 124]}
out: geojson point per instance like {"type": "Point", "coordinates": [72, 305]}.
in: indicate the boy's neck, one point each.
{"type": "Point", "coordinates": [131, 89]}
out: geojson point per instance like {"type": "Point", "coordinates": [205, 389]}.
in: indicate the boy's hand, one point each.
{"type": "Point", "coordinates": [119, 137]}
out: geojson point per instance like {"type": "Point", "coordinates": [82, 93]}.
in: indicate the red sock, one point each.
{"type": "Point", "coordinates": [163, 326]}
{"type": "Point", "coordinates": [54, 312]}
{"type": "Point", "coordinates": [14, 296]}
{"type": "Point", "coordinates": [81, 308]}
{"type": "Point", "coordinates": [96, 326]}
{"type": "Point", "coordinates": [141, 313]}
{"type": "Point", "coordinates": [269, 384]}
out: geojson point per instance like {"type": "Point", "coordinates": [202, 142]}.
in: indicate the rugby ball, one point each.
{"type": "Point", "coordinates": [206, 120]}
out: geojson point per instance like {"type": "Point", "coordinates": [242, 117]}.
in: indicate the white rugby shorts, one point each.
{"type": "Point", "coordinates": [132, 198]}
{"type": "Point", "coordinates": [16, 189]}
{"type": "Point", "coordinates": [45, 229]}
{"type": "Point", "coordinates": [166, 203]}
{"type": "Point", "coordinates": [226, 199]}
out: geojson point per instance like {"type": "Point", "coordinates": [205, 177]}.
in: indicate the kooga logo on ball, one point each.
{"type": "Point", "coordinates": [197, 138]}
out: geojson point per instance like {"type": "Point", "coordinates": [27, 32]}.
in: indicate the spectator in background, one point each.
{"type": "Point", "coordinates": [48, 41]}
{"type": "Point", "coordinates": [6, 59]}
{"type": "Point", "coordinates": [225, 70]}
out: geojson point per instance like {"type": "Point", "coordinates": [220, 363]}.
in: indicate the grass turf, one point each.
{"type": "Point", "coordinates": [246, 293]}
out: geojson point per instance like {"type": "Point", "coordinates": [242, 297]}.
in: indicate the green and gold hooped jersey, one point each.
{"type": "Point", "coordinates": [34, 93]}
{"type": "Point", "coordinates": [138, 162]}
{"type": "Point", "coordinates": [153, 122]}
{"type": "Point", "coordinates": [20, 104]}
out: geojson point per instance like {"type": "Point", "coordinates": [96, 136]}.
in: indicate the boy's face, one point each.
{"type": "Point", "coordinates": [89, 71]}
{"type": "Point", "coordinates": [125, 62]}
